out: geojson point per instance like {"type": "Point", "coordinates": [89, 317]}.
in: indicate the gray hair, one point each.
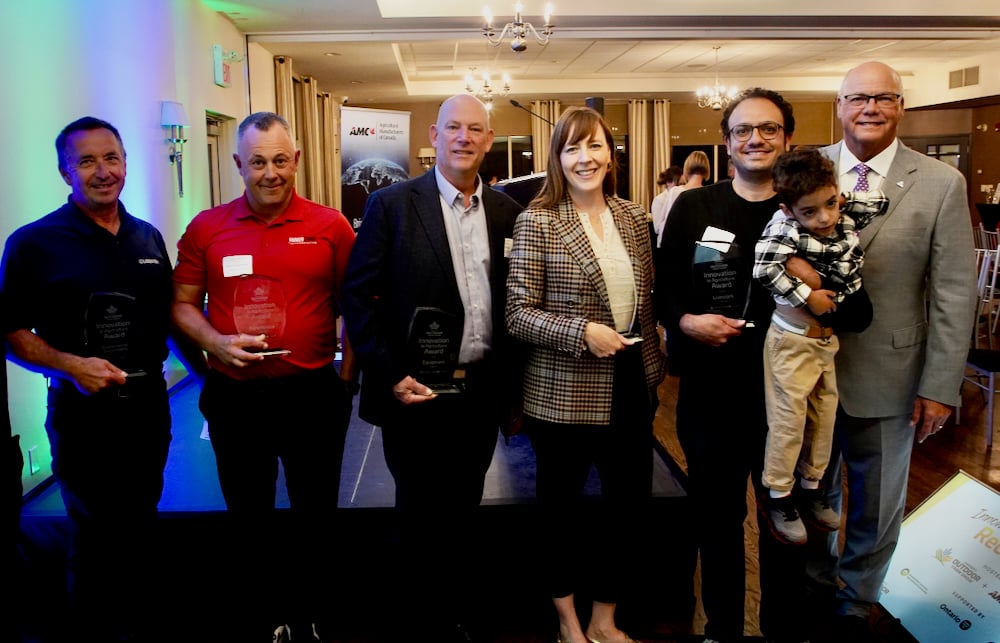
{"type": "Point", "coordinates": [263, 121]}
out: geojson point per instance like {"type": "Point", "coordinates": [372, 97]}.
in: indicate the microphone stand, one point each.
{"type": "Point", "coordinates": [536, 115]}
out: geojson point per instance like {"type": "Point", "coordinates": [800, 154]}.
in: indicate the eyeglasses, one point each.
{"type": "Point", "coordinates": [744, 131]}
{"type": "Point", "coordinates": [861, 100]}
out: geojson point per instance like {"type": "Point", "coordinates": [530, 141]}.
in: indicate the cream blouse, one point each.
{"type": "Point", "coordinates": [616, 268]}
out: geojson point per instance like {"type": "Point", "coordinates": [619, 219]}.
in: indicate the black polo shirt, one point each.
{"type": "Point", "coordinates": [57, 267]}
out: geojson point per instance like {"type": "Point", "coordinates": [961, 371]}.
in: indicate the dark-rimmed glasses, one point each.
{"type": "Point", "coordinates": [861, 100]}
{"type": "Point", "coordinates": [744, 131]}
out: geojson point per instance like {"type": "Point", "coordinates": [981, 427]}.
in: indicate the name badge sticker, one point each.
{"type": "Point", "coordinates": [237, 265]}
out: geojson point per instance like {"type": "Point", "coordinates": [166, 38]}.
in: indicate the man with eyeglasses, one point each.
{"type": "Point", "coordinates": [900, 378]}
{"type": "Point", "coordinates": [721, 422]}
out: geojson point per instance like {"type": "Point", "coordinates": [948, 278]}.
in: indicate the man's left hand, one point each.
{"type": "Point", "coordinates": [928, 417]}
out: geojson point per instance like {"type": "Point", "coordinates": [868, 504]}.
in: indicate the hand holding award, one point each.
{"type": "Point", "coordinates": [260, 308]}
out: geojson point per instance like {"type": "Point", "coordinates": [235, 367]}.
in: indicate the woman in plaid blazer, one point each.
{"type": "Point", "coordinates": [578, 295]}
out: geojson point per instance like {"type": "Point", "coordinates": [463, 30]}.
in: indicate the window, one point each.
{"type": "Point", "coordinates": [509, 157]}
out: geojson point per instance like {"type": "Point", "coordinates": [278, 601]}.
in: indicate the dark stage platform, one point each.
{"type": "Point", "coordinates": [195, 530]}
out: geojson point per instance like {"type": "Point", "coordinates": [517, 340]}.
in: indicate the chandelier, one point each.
{"type": "Point", "coordinates": [518, 30]}
{"type": "Point", "coordinates": [486, 91]}
{"type": "Point", "coordinates": [717, 96]}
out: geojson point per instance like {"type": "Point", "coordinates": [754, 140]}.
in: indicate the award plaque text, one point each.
{"type": "Point", "coordinates": [110, 330]}
{"type": "Point", "coordinates": [434, 341]}
{"type": "Point", "coordinates": [721, 279]}
{"type": "Point", "coordinates": [260, 308]}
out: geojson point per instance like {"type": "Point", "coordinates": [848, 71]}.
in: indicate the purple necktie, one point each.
{"type": "Point", "coordinates": [862, 184]}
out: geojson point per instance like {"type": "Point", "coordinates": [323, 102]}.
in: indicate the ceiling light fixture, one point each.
{"type": "Point", "coordinates": [519, 29]}
{"type": "Point", "coordinates": [717, 96]}
{"type": "Point", "coordinates": [486, 92]}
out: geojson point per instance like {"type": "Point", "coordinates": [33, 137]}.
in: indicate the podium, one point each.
{"type": "Point", "coordinates": [990, 214]}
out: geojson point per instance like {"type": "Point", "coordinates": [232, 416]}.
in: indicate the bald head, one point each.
{"type": "Point", "coordinates": [461, 137]}
{"type": "Point", "coordinates": [462, 101]}
{"type": "Point", "coordinates": [871, 71]}
{"type": "Point", "coordinates": [870, 106]}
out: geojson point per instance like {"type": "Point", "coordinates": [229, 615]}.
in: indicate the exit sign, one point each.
{"type": "Point", "coordinates": [222, 69]}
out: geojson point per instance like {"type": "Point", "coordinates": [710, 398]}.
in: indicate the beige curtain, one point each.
{"type": "Point", "coordinates": [640, 138]}
{"type": "Point", "coordinates": [541, 132]}
{"type": "Point", "coordinates": [661, 138]}
{"type": "Point", "coordinates": [284, 91]}
{"type": "Point", "coordinates": [312, 144]}
{"type": "Point", "coordinates": [329, 126]}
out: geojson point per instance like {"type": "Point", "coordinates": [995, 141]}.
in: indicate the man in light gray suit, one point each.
{"type": "Point", "coordinates": [899, 379]}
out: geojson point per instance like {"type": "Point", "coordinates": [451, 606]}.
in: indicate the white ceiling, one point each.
{"type": "Point", "coordinates": [385, 51]}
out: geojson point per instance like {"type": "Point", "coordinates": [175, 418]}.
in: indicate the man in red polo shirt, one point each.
{"type": "Point", "coordinates": [271, 265]}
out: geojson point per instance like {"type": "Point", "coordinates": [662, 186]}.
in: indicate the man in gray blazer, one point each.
{"type": "Point", "coordinates": [899, 379]}
{"type": "Point", "coordinates": [439, 241]}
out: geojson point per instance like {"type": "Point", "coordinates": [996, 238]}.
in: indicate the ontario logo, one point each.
{"type": "Point", "coordinates": [963, 623]}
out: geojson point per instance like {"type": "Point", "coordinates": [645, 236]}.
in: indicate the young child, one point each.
{"type": "Point", "coordinates": [818, 225]}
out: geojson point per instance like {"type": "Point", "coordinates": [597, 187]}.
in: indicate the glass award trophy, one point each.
{"type": "Point", "coordinates": [721, 279]}
{"type": "Point", "coordinates": [110, 331]}
{"type": "Point", "coordinates": [435, 338]}
{"type": "Point", "coordinates": [259, 308]}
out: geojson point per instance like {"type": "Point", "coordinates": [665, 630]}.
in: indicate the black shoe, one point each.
{"type": "Point", "coordinates": [853, 628]}
{"type": "Point", "coordinates": [460, 634]}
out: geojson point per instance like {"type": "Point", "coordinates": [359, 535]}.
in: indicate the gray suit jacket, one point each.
{"type": "Point", "coordinates": [400, 261]}
{"type": "Point", "coordinates": [920, 273]}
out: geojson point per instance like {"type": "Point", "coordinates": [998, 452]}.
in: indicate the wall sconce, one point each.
{"type": "Point", "coordinates": [427, 156]}
{"type": "Point", "coordinates": [982, 127]}
{"type": "Point", "coordinates": [173, 116]}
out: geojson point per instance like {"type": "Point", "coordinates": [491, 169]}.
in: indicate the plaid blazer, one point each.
{"type": "Point", "coordinates": [554, 287]}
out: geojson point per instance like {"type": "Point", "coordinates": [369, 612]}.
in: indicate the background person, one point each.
{"type": "Point", "coordinates": [901, 377]}
{"type": "Point", "coordinates": [66, 278]}
{"type": "Point", "coordinates": [667, 179]}
{"type": "Point", "coordinates": [261, 409]}
{"type": "Point", "coordinates": [696, 171]}
{"type": "Point", "coordinates": [440, 240]}
{"type": "Point", "coordinates": [590, 381]}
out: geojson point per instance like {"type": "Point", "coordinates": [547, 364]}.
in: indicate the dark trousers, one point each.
{"type": "Point", "coordinates": [585, 544]}
{"type": "Point", "coordinates": [109, 451]}
{"type": "Point", "coordinates": [302, 421]}
{"type": "Point", "coordinates": [438, 453]}
{"type": "Point", "coordinates": [722, 427]}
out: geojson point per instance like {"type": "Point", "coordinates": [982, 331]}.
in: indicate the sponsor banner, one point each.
{"type": "Point", "coordinates": [943, 583]}
{"type": "Point", "coordinates": [374, 152]}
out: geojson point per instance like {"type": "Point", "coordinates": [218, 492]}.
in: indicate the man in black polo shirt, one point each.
{"type": "Point", "coordinates": [87, 292]}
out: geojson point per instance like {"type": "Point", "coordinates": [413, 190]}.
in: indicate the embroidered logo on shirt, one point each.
{"type": "Point", "coordinates": [299, 241]}
{"type": "Point", "coordinates": [153, 260]}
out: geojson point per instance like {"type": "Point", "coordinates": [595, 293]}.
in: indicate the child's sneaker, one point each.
{"type": "Point", "coordinates": [783, 519]}
{"type": "Point", "coordinates": [283, 634]}
{"type": "Point", "coordinates": [816, 510]}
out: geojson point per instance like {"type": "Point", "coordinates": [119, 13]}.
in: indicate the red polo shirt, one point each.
{"type": "Point", "coordinates": [305, 248]}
